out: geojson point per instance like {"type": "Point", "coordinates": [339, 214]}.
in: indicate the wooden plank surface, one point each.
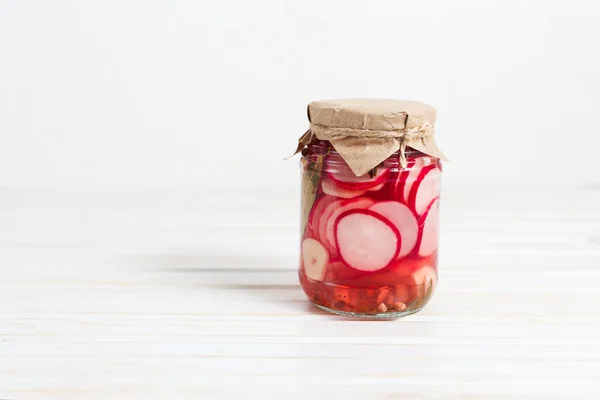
{"type": "Point", "coordinates": [189, 293]}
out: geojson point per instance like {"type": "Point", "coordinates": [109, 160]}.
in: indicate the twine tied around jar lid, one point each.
{"type": "Point", "coordinates": [365, 132]}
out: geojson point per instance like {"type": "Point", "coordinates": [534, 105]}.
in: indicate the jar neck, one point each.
{"type": "Point", "coordinates": [318, 148]}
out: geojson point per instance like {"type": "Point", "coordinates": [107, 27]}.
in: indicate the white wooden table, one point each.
{"type": "Point", "coordinates": [175, 294]}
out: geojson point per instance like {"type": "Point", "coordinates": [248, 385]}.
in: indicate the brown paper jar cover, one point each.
{"type": "Point", "coordinates": [365, 132]}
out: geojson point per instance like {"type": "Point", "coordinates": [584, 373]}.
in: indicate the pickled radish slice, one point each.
{"type": "Point", "coordinates": [329, 209]}
{"type": "Point", "coordinates": [352, 204]}
{"type": "Point", "coordinates": [403, 183]}
{"type": "Point", "coordinates": [316, 213]}
{"type": "Point", "coordinates": [411, 177]}
{"type": "Point", "coordinates": [366, 240]}
{"type": "Point", "coordinates": [330, 188]}
{"type": "Point", "coordinates": [315, 258]}
{"type": "Point", "coordinates": [398, 187]}
{"type": "Point", "coordinates": [407, 177]}
{"type": "Point", "coordinates": [424, 278]}
{"type": "Point", "coordinates": [404, 219]}
{"type": "Point", "coordinates": [425, 189]}
{"type": "Point", "coordinates": [343, 176]}
{"type": "Point", "coordinates": [376, 188]}
{"type": "Point", "coordinates": [428, 241]}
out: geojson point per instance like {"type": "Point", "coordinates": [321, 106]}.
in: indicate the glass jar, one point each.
{"type": "Point", "coordinates": [369, 244]}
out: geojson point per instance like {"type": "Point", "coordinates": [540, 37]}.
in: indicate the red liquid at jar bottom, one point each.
{"type": "Point", "coordinates": [402, 288]}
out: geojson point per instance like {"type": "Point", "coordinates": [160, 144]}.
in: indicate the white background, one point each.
{"type": "Point", "coordinates": [153, 286]}
{"type": "Point", "coordinates": [121, 93]}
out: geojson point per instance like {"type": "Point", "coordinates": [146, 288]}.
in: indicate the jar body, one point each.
{"type": "Point", "coordinates": [369, 244]}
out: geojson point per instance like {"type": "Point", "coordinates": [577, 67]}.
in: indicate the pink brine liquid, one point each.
{"type": "Point", "coordinates": [369, 244]}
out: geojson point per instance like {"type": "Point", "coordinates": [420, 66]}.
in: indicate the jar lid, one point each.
{"type": "Point", "coordinates": [367, 131]}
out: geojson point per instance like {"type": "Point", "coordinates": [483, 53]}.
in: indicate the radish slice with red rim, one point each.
{"type": "Point", "coordinates": [425, 189]}
{"type": "Point", "coordinates": [398, 186]}
{"type": "Point", "coordinates": [404, 219]}
{"type": "Point", "coordinates": [376, 188]}
{"type": "Point", "coordinates": [428, 242]}
{"type": "Point", "coordinates": [343, 176]}
{"type": "Point", "coordinates": [352, 204]}
{"type": "Point", "coordinates": [329, 209]}
{"type": "Point", "coordinates": [329, 187]}
{"type": "Point", "coordinates": [366, 240]}
{"type": "Point", "coordinates": [316, 214]}
{"type": "Point", "coordinates": [408, 176]}
{"type": "Point", "coordinates": [410, 179]}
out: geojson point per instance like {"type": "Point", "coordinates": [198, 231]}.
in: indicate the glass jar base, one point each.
{"type": "Point", "coordinates": [367, 302]}
{"type": "Point", "coordinates": [384, 316]}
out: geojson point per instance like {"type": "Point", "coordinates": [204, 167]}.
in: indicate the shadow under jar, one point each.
{"type": "Point", "coordinates": [369, 243]}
